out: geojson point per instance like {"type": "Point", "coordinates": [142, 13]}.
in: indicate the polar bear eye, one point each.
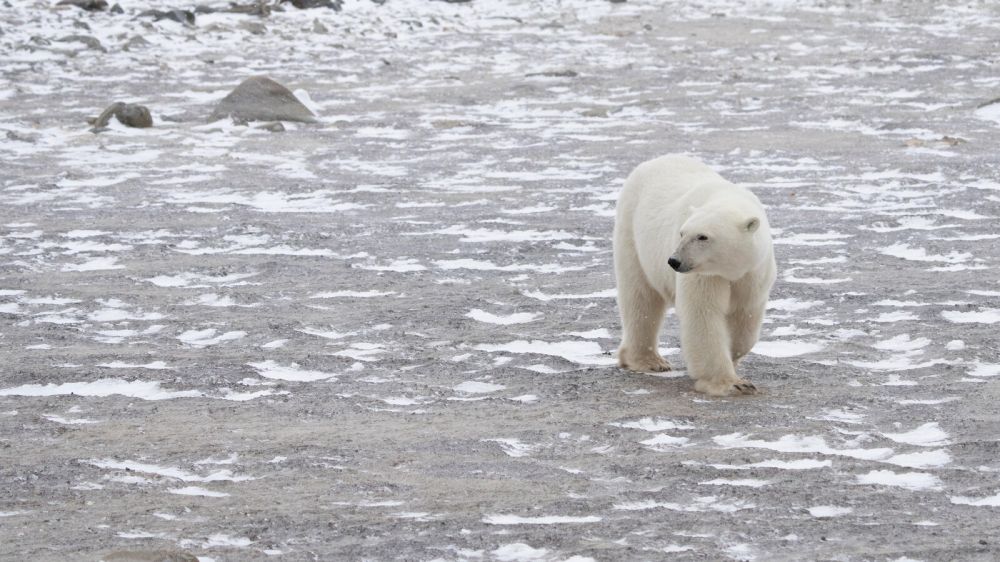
{"type": "Point", "coordinates": [702, 238]}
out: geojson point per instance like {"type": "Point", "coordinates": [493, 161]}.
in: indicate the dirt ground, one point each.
{"type": "Point", "coordinates": [389, 335]}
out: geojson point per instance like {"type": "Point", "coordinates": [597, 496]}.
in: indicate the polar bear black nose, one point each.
{"type": "Point", "coordinates": [674, 263]}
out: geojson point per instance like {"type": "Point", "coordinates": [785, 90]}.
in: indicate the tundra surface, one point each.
{"type": "Point", "coordinates": [387, 335]}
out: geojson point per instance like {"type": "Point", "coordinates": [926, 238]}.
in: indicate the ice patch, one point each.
{"type": "Point", "coordinates": [984, 316]}
{"type": "Point", "coordinates": [168, 471]}
{"type": "Point", "coordinates": [782, 348]}
{"type": "Point", "coordinates": [606, 294]}
{"type": "Point", "coordinates": [905, 252]}
{"type": "Point", "coordinates": [104, 387]}
{"type": "Point", "coordinates": [581, 352]}
{"type": "Point", "coordinates": [401, 265]}
{"type": "Point", "coordinates": [596, 334]}
{"type": "Point", "coordinates": [477, 387]}
{"type": "Point", "coordinates": [513, 447]}
{"type": "Point", "coordinates": [481, 235]}
{"type": "Point", "coordinates": [800, 444]}
{"type": "Point", "coordinates": [813, 239]}
{"type": "Point", "coordinates": [989, 501]}
{"type": "Point", "coordinates": [66, 421]}
{"type": "Point", "coordinates": [895, 363]}
{"type": "Point", "coordinates": [701, 504]}
{"type": "Point", "coordinates": [326, 334]}
{"type": "Point", "coordinates": [213, 299]}
{"type": "Point", "coordinates": [797, 464]}
{"type": "Point", "coordinates": [841, 416]}
{"type": "Point", "coordinates": [273, 370]}
{"type": "Point", "coordinates": [352, 294]}
{"type": "Point", "coordinates": [482, 265]}
{"type": "Point", "coordinates": [653, 424]}
{"type": "Point", "coordinates": [108, 315]}
{"type": "Point", "coordinates": [519, 552]}
{"type": "Point", "coordinates": [266, 201]}
{"type": "Point", "coordinates": [902, 342]}
{"type": "Point", "coordinates": [508, 320]}
{"type": "Point", "coordinates": [95, 264]}
{"type": "Point", "coordinates": [207, 337]}
{"type": "Point", "coordinates": [909, 480]}
{"type": "Point", "coordinates": [922, 459]}
{"type": "Point", "coordinates": [989, 112]}
{"type": "Point", "coordinates": [197, 491]}
{"type": "Point", "coordinates": [900, 316]}
{"type": "Point", "coordinates": [744, 482]}
{"type": "Point", "coordinates": [985, 370]}
{"type": "Point", "coordinates": [361, 351]}
{"type": "Point", "coordinates": [927, 435]}
{"type": "Point", "coordinates": [829, 511]}
{"type": "Point", "coordinates": [195, 280]}
{"type": "Point", "coordinates": [664, 442]}
{"type": "Point", "coordinates": [153, 365]}
{"type": "Point", "coordinates": [791, 305]}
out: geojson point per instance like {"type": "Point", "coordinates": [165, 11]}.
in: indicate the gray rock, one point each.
{"type": "Point", "coordinates": [90, 42]}
{"type": "Point", "coordinates": [15, 136]}
{"type": "Point", "coordinates": [185, 17]}
{"type": "Point", "coordinates": [136, 42]}
{"type": "Point", "coordinates": [261, 99]}
{"type": "Point", "coordinates": [129, 114]}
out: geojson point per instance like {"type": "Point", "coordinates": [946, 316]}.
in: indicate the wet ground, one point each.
{"type": "Point", "coordinates": [388, 335]}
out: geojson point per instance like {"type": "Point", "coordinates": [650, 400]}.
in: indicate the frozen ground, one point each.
{"type": "Point", "coordinates": [388, 335]}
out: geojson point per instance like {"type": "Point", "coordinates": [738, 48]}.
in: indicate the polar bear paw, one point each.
{"type": "Point", "coordinates": [650, 363]}
{"type": "Point", "coordinates": [725, 387]}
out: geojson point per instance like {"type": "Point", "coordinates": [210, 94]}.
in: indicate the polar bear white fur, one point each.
{"type": "Point", "coordinates": [685, 237]}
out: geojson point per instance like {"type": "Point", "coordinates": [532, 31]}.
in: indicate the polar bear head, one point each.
{"type": "Point", "coordinates": [724, 242]}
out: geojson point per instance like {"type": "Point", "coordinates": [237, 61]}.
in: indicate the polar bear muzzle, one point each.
{"type": "Point", "coordinates": [677, 265]}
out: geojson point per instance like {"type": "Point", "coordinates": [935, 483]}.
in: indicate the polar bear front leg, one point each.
{"type": "Point", "coordinates": [642, 310]}
{"type": "Point", "coordinates": [702, 303]}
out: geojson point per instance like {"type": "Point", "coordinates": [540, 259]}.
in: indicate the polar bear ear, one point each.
{"type": "Point", "coordinates": [752, 224]}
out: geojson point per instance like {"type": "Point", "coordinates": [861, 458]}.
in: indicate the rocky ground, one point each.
{"type": "Point", "coordinates": [389, 334]}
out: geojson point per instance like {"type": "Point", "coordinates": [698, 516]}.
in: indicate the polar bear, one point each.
{"type": "Point", "coordinates": [685, 237]}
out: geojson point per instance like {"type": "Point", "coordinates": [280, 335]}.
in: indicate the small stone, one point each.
{"type": "Point", "coordinates": [117, 9]}
{"type": "Point", "coordinates": [567, 73]}
{"type": "Point", "coordinates": [259, 98]}
{"type": "Point", "coordinates": [318, 27]}
{"type": "Point", "coordinates": [335, 5]}
{"type": "Point", "coordinates": [136, 42]}
{"type": "Point", "coordinates": [89, 5]}
{"type": "Point", "coordinates": [185, 17]}
{"type": "Point", "coordinates": [258, 8]}
{"type": "Point", "coordinates": [254, 27]}
{"type": "Point", "coordinates": [275, 127]}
